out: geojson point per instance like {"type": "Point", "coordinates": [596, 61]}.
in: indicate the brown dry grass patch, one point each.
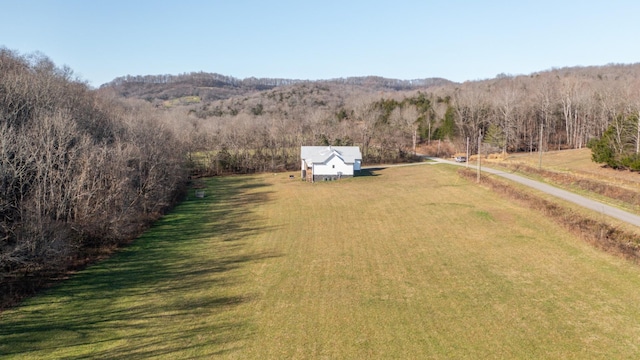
{"type": "Point", "coordinates": [574, 170]}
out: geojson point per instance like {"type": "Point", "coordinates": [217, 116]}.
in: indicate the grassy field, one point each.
{"type": "Point", "coordinates": [578, 161]}
{"type": "Point", "coordinates": [412, 262]}
{"type": "Point", "coordinates": [185, 100]}
{"type": "Point", "coordinates": [573, 170]}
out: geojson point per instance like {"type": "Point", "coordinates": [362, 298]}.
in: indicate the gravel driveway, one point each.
{"type": "Point", "coordinates": [562, 194]}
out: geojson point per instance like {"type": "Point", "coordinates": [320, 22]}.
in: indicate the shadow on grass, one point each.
{"type": "Point", "coordinates": [370, 171]}
{"type": "Point", "coordinates": [171, 292]}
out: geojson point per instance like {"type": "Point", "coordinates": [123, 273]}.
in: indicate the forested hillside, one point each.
{"type": "Point", "coordinates": [260, 130]}
{"type": "Point", "coordinates": [212, 86]}
{"type": "Point", "coordinates": [80, 171]}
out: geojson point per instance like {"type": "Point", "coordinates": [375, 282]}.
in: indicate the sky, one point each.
{"type": "Point", "coordinates": [305, 39]}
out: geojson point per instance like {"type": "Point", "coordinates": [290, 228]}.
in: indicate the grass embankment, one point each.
{"type": "Point", "coordinates": [413, 263]}
{"type": "Point", "coordinates": [574, 170]}
{"type": "Point", "coordinates": [613, 236]}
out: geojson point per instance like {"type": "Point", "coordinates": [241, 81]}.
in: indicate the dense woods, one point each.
{"type": "Point", "coordinates": [79, 170]}
{"type": "Point", "coordinates": [84, 169]}
{"type": "Point", "coordinates": [556, 109]}
{"type": "Point", "coordinates": [212, 86]}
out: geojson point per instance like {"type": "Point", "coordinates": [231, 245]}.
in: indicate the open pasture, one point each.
{"type": "Point", "coordinates": [577, 162]}
{"type": "Point", "coordinates": [410, 262]}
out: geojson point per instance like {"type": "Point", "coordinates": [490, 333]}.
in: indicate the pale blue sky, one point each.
{"type": "Point", "coordinates": [458, 40]}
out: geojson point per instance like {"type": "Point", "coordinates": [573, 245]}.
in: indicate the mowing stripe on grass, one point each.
{"type": "Point", "coordinates": [412, 263]}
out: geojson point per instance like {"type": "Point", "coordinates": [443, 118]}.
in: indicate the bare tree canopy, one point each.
{"type": "Point", "coordinates": [78, 169]}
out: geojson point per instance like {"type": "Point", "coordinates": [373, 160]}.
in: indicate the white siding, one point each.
{"type": "Point", "coordinates": [333, 166]}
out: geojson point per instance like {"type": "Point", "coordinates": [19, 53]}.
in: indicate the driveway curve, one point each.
{"type": "Point", "coordinates": [594, 205]}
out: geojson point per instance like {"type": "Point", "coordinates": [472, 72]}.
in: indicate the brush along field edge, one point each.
{"type": "Point", "coordinates": [412, 262]}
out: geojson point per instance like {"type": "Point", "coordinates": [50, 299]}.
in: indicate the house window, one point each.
{"type": "Point", "coordinates": [333, 166]}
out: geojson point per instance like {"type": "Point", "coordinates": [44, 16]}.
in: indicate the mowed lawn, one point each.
{"type": "Point", "coordinates": [413, 263]}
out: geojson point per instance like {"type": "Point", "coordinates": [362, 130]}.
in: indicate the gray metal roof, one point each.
{"type": "Point", "coordinates": [320, 154]}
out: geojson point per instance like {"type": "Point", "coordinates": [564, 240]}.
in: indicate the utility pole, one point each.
{"type": "Point", "coordinates": [638, 137]}
{"type": "Point", "coordinates": [467, 159]}
{"type": "Point", "coordinates": [540, 147]}
{"type": "Point", "coordinates": [479, 152]}
{"type": "Point", "coordinates": [415, 136]}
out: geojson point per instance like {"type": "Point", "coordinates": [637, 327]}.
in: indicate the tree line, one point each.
{"type": "Point", "coordinates": [213, 86]}
{"type": "Point", "coordinates": [79, 169]}
{"type": "Point", "coordinates": [202, 78]}
{"type": "Point", "coordinates": [556, 109]}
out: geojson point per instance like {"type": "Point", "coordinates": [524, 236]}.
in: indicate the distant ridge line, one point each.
{"type": "Point", "coordinates": [218, 80]}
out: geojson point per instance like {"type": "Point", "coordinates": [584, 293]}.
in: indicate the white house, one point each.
{"type": "Point", "coordinates": [321, 163]}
